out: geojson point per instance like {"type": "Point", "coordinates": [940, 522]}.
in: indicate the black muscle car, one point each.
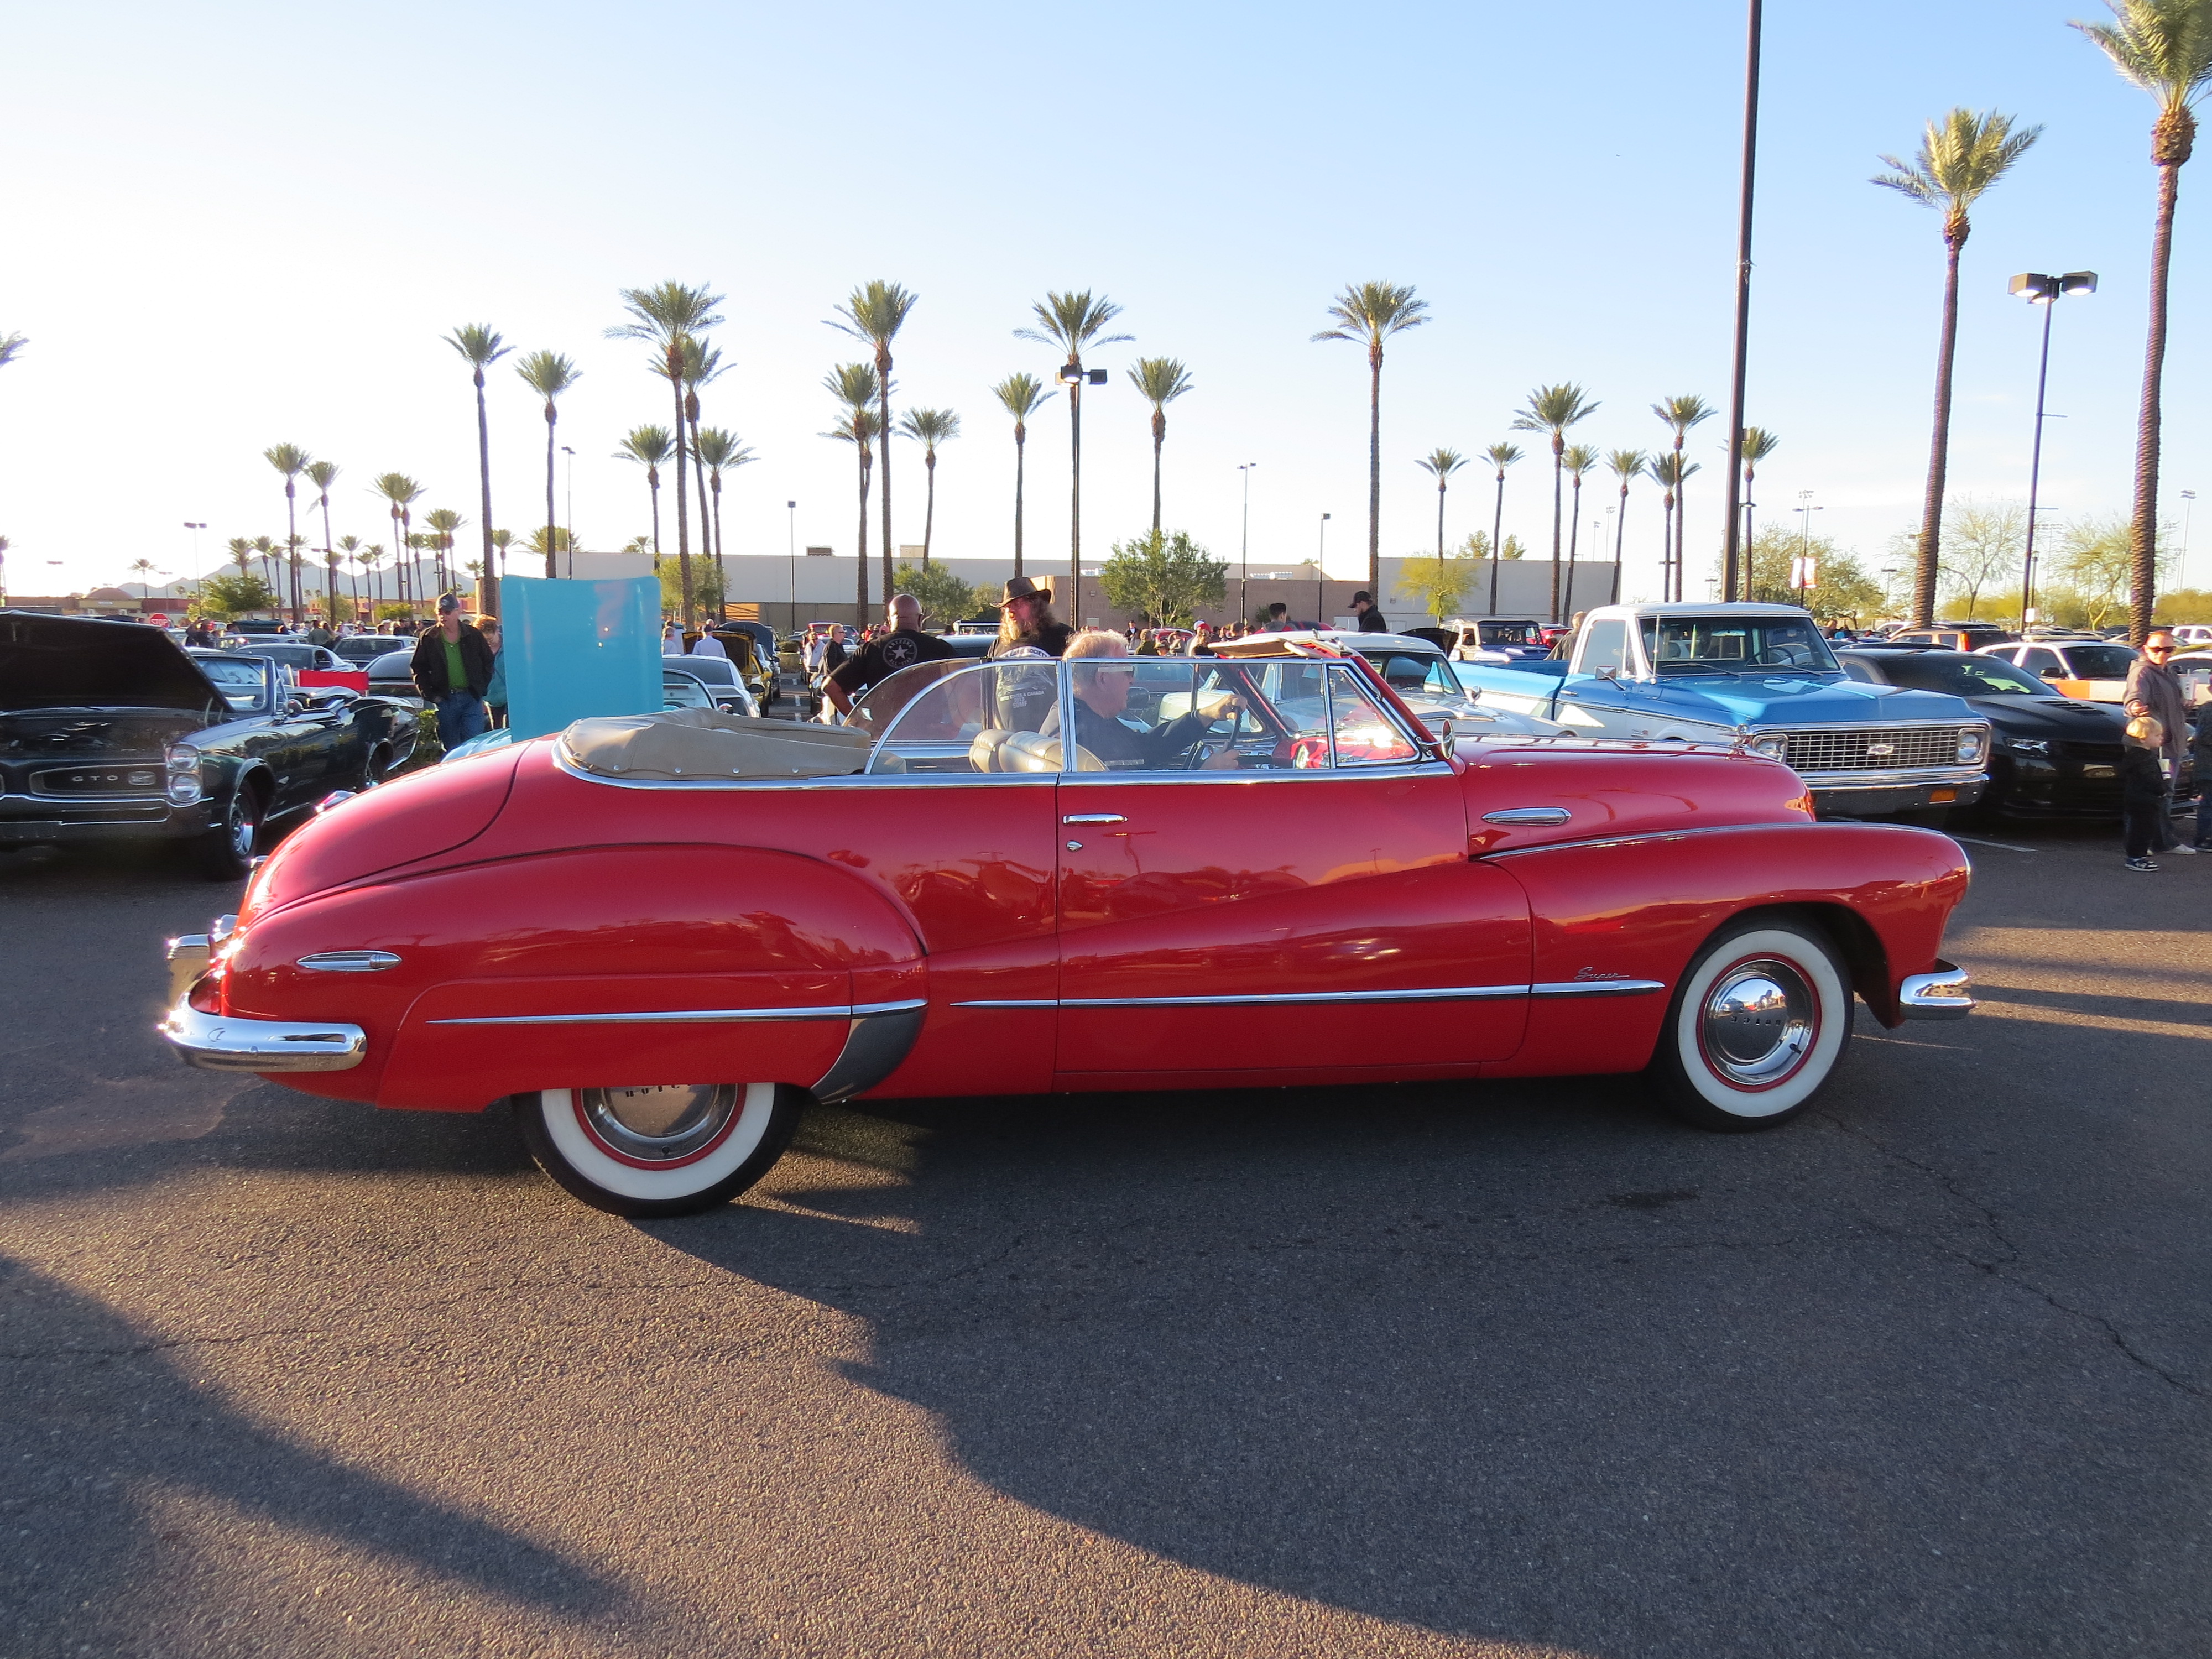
{"type": "Point", "coordinates": [109, 729]}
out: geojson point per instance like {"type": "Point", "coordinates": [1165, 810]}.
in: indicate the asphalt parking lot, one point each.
{"type": "Point", "coordinates": [1508, 1370]}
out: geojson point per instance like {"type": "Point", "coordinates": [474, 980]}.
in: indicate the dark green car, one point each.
{"type": "Point", "coordinates": [110, 731]}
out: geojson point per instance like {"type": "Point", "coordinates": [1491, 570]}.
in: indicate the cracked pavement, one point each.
{"type": "Point", "coordinates": [1504, 1370]}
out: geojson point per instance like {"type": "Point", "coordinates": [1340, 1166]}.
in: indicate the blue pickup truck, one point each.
{"type": "Point", "coordinates": [1761, 676]}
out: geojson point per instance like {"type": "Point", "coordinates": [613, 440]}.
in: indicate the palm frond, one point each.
{"type": "Point", "coordinates": [478, 343]}
{"type": "Point", "coordinates": [853, 385]}
{"type": "Point", "coordinates": [1073, 322]}
{"type": "Point", "coordinates": [1553, 409]}
{"type": "Point", "coordinates": [322, 474]}
{"type": "Point", "coordinates": [1022, 394]}
{"type": "Point", "coordinates": [874, 312]}
{"type": "Point", "coordinates": [864, 424]}
{"type": "Point", "coordinates": [1961, 154]}
{"type": "Point", "coordinates": [665, 313]}
{"type": "Point", "coordinates": [1502, 456]}
{"type": "Point", "coordinates": [1577, 459]}
{"type": "Point", "coordinates": [929, 427]}
{"type": "Point", "coordinates": [1758, 444]}
{"type": "Point", "coordinates": [648, 446]}
{"type": "Point", "coordinates": [1160, 380]}
{"type": "Point", "coordinates": [1441, 464]}
{"type": "Point", "coordinates": [548, 374]}
{"type": "Point", "coordinates": [2163, 46]}
{"type": "Point", "coordinates": [290, 460]}
{"type": "Point", "coordinates": [721, 451]}
{"type": "Point", "coordinates": [397, 488]}
{"type": "Point", "coordinates": [1626, 464]}
{"type": "Point", "coordinates": [443, 519]}
{"type": "Point", "coordinates": [11, 347]}
{"type": "Point", "coordinates": [1684, 412]}
{"type": "Point", "coordinates": [1371, 312]}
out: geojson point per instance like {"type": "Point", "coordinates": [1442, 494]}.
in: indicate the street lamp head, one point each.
{"type": "Point", "coordinates": [1324, 518]}
{"type": "Point", "coordinates": [1070, 375]}
{"type": "Point", "coordinates": [1098, 377]}
{"type": "Point", "coordinates": [2034, 287]}
{"type": "Point", "coordinates": [794, 506]}
{"type": "Point", "coordinates": [2078, 281]}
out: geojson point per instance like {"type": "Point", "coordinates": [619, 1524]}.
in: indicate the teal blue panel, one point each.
{"type": "Point", "coordinates": [574, 650]}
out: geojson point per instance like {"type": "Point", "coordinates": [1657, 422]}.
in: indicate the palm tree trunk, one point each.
{"type": "Point", "coordinates": [884, 419]}
{"type": "Point", "coordinates": [1558, 473]}
{"type": "Point", "coordinates": [860, 451]}
{"type": "Point", "coordinates": [1020, 449]}
{"type": "Point", "coordinates": [2142, 533]}
{"type": "Point", "coordinates": [682, 512]}
{"type": "Point", "coordinates": [1375, 467]}
{"type": "Point", "coordinates": [1667, 545]}
{"type": "Point", "coordinates": [291, 548]}
{"type": "Point", "coordinates": [653, 488]}
{"type": "Point", "coordinates": [1440, 526]}
{"type": "Point", "coordinates": [1680, 503]}
{"type": "Point", "coordinates": [720, 564]}
{"type": "Point", "coordinates": [1159, 437]}
{"type": "Point", "coordinates": [1496, 550]}
{"type": "Point", "coordinates": [707, 549]}
{"type": "Point", "coordinates": [331, 586]}
{"type": "Point", "coordinates": [1620, 530]}
{"type": "Point", "coordinates": [1075, 492]}
{"type": "Point", "coordinates": [929, 518]}
{"type": "Point", "coordinates": [483, 479]}
{"type": "Point", "coordinates": [1939, 446]}
{"type": "Point", "coordinates": [1574, 540]}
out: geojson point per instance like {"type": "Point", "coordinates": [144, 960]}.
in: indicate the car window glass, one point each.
{"type": "Point", "coordinates": [1365, 736]}
{"type": "Point", "coordinates": [1966, 676]}
{"type": "Point", "coordinates": [240, 683]}
{"type": "Point", "coordinates": [1282, 722]}
{"type": "Point", "coordinates": [682, 691]}
{"type": "Point", "coordinates": [1605, 645]}
{"type": "Point", "coordinates": [2100, 662]}
{"type": "Point", "coordinates": [1413, 674]}
{"type": "Point", "coordinates": [2039, 661]}
{"type": "Point", "coordinates": [1495, 634]}
{"type": "Point", "coordinates": [1857, 670]}
{"type": "Point", "coordinates": [965, 718]}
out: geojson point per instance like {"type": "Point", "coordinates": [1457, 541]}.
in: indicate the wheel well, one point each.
{"type": "Point", "coordinates": [1856, 942]}
{"type": "Point", "coordinates": [255, 784]}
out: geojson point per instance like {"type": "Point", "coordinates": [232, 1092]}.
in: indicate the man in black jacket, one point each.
{"type": "Point", "coordinates": [1371, 619]}
{"type": "Point", "coordinates": [451, 668]}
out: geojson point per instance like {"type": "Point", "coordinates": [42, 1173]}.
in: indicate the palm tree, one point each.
{"type": "Point", "coordinates": [2163, 46]}
{"type": "Point", "coordinates": [500, 541]}
{"type": "Point", "coordinates": [1160, 380]}
{"type": "Point", "coordinates": [145, 568]}
{"type": "Point", "coordinates": [1758, 444]}
{"type": "Point", "coordinates": [857, 388]}
{"type": "Point", "coordinates": [1440, 465]}
{"type": "Point", "coordinates": [1074, 323]}
{"type": "Point", "coordinates": [1625, 464]}
{"type": "Point", "coordinates": [649, 446]}
{"type": "Point", "coordinates": [1553, 409]}
{"type": "Point", "coordinates": [549, 373]}
{"type": "Point", "coordinates": [665, 316]}
{"type": "Point", "coordinates": [718, 452]}
{"type": "Point", "coordinates": [1668, 471]}
{"type": "Point", "coordinates": [403, 492]}
{"type": "Point", "coordinates": [349, 549]}
{"type": "Point", "coordinates": [1681, 413]}
{"type": "Point", "coordinates": [700, 364]}
{"type": "Point", "coordinates": [1368, 314]}
{"type": "Point", "coordinates": [1577, 459]}
{"type": "Point", "coordinates": [323, 475]}
{"type": "Point", "coordinates": [240, 551]}
{"type": "Point", "coordinates": [1021, 395]}
{"type": "Point", "coordinates": [265, 551]}
{"type": "Point", "coordinates": [480, 348]}
{"type": "Point", "coordinates": [443, 522]}
{"type": "Point", "coordinates": [1960, 157]}
{"type": "Point", "coordinates": [1500, 456]}
{"type": "Point", "coordinates": [875, 312]}
{"type": "Point", "coordinates": [291, 460]}
{"type": "Point", "coordinates": [367, 559]}
{"type": "Point", "coordinates": [929, 427]}
{"type": "Point", "coordinates": [11, 347]}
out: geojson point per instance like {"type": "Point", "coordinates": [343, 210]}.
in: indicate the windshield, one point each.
{"type": "Point", "coordinates": [1965, 676]}
{"type": "Point", "coordinates": [1735, 645]}
{"type": "Point", "coordinates": [2100, 662]}
{"type": "Point", "coordinates": [1495, 634]}
{"type": "Point", "coordinates": [241, 683]}
{"type": "Point", "coordinates": [1416, 673]}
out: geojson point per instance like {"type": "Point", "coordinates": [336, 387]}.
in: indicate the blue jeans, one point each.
{"type": "Point", "coordinates": [460, 717]}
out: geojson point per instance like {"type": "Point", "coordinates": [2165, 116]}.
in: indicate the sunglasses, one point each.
{"type": "Point", "coordinates": [2158, 651]}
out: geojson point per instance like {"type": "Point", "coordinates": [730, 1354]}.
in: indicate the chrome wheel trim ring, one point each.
{"type": "Point", "coordinates": [659, 1126]}
{"type": "Point", "coordinates": [244, 827]}
{"type": "Point", "coordinates": [1757, 1022]}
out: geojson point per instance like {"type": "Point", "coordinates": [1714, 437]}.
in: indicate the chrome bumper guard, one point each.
{"type": "Point", "coordinates": [1947, 994]}
{"type": "Point", "coordinates": [230, 1043]}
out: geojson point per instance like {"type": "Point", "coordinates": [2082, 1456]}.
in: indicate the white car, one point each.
{"type": "Point", "coordinates": [1428, 684]}
{"type": "Point", "coordinates": [2095, 670]}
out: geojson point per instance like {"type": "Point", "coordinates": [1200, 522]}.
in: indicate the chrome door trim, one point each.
{"type": "Point", "coordinates": [1543, 815]}
{"type": "Point", "coordinates": [1440, 993]}
{"type": "Point", "coordinates": [1598, 987]}
{"type": "Point", "coordinates": [696, 1016]}
{"type": "Point", "coordinates": [1094, 818]}
{"type": "Point", "coordinates": [349, 962]}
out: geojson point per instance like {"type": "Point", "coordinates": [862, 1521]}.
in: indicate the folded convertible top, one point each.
{"type": "Point", "coordinates": [689, 744]}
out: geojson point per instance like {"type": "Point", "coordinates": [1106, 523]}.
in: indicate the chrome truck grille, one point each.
{"type": "Point", "coordinates": [1874, 750]}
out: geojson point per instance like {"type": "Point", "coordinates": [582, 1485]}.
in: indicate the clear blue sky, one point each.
{"type": "Point", "coordinates": [234, 225]}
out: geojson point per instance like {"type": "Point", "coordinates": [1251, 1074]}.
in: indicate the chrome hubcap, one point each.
{"type": "Point", "coordinates": [242, 827]}
{"type": "Point", "coordinates": [1758, 1023]}
{"type": "Point", "coordinates": [660, 1123]}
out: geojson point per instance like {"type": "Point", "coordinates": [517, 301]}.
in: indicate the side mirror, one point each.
{"type": "Point", "coordinates": [1608, 671]}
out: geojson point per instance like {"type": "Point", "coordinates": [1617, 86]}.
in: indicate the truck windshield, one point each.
{"type": "Point", "coordinates": [1735, 645]}
{"type": "Point", "coordinates": [1496, 633]}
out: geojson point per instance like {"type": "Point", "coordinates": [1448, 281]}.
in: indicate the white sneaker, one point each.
{"type": "Point", "coordinates": [2183, 846]}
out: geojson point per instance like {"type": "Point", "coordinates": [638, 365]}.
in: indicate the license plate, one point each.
{"type": "Point", "coordinates": [2101, 771]}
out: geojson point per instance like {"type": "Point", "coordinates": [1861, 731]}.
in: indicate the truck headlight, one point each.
{"type": "Point", "coordinates": [183, 762]}
{"type": "Point", "coordinates": [1973, 744]}
{"type": "Point", "coordinates": [1775, 745]}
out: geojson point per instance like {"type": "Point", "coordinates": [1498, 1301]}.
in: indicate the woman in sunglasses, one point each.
{"type": "Point", "coordinates": [2153, 690]}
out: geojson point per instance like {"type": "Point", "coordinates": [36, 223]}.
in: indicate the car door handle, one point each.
{"type": "Point", "coordinates": [1528, 815]}
{"type": "Point", "coordinates": [1094, 818]}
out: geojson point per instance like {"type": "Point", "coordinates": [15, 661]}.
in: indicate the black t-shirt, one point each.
{"type": "Point", "coordinates": [1371, 621]}
{"type": "Point", "coordinates": [1052, 639]}
{"type": "Point", "coordinates": [878, 660]}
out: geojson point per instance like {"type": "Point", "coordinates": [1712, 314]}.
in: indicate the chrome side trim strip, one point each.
{"type": "Point", "coordinates": [1655, 834]}
{"type": "Point", "coordinates": [231, 1043]}
{"type": "Point", "coordinates": [1528, 815]}
{"type": "Point", "coordinates": [1009, 1002]}
{"type": "Point", "coordinates": [349, 962]}
{"type": "Point", "coordinates": [1598, 987]}
{"type": "Point", "coordinates": [1441, 994]}
{"type": "Point", "coordinates": [698, 1016]}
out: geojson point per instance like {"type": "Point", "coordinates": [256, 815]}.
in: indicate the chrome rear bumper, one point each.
{"type": "Point", "coordinates": [1947, 994]}
{"type": "Point", "coordinates": [230, 1043]}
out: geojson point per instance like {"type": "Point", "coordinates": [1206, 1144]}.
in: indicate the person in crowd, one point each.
{"type": "Point", "coordinates": [902, 646]}
{"type": "Point", "coordinates": [1371, 619]}
{"type": "Point", "coordinates": [707, 646]}
{"type": "Point", "coordinates": [671, 640]}
{"type": "Point", "coordinates": [495, 690]}
{"type": "Point", "coordinates": [451, 668]}
{"type": "Point", "coordinates": [1201, 640]}
{"type": "Point", "coordinates": [2142, 790]}
{"type": "Point", "coordinates": [1025, 618]}
{"type": "Point", "coordinates": [1148, 643]}
{"type": "Point", "coordinates": [1101, 679]}
{"type": "Point", "coordinates": [1279, 617]}
{"type": "Point", "coordinates": [811, 650]}
{"type": "Point", "coordinates": [834, 654]}
{"type": "Point", "coordinates": [2153, 690]}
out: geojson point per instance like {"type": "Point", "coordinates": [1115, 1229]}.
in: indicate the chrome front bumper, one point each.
{"type": "Point", "coordinates": [230, 1043]}
{"type": "Point", "coordinates": [1947, 994]}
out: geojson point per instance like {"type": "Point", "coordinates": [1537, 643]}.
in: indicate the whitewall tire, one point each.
{"type": "Point", "coordinates": [659, 1151]}
{"type": "Point", "coordinates": [1759, 1024]}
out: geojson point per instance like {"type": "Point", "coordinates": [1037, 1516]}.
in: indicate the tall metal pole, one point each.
{"type": "Point", "coordinates": [1244, 549]}
{"type": "Point", "coordinates": [2035, 468]}
{"type": "Point", "coordinates": [1729, 552]}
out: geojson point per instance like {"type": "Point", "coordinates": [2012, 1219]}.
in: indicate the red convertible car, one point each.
{"type": "Point", "coordinates": [657, 938]}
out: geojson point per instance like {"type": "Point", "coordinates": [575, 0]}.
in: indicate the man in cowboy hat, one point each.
{"type": "Point", "coordinates": [1025, 618]}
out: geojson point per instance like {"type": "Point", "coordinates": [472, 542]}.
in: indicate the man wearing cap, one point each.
{"type": "Point", "coordinates": [902, 647]}
{"type": "Point", "coordinates": [1025, 618]}
{"type": "Point", "coordinates": [451, 668]}
{"type": "Point", "coordinates": [1371, 619]}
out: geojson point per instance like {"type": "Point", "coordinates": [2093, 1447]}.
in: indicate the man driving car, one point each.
{"type": "Point", "coordinates": [1101, 677]}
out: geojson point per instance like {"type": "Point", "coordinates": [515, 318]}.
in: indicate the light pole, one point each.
{"type": "Point", "coordinates": [1244, 548]}
{"type": "Point", "coordinates": [195, 527]}
{"type": "Point", "coordinates": [2181, 568]}
{"type": "Point", "coordinates": [2039, 289]}
{"type": "Point", "coordinates": [571, 513]}
{"type": "Point", "coordinates": [1743, 360]}
{"type": "Point", "coordinates": [1320, 569]}
{"type": "Point", "coordinates": [791, 553]}
{"type": "Point", "coordinates": [1074, 377]}
{"type": "Point", "coordinates": [1805, 511]}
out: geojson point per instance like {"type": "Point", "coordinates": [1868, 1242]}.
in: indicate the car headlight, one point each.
{"type": "Point", "coordinates": [1973, 743]}
{"type": "Point", "coordinates": [1775, 745]}
{"type": "Point", "coordinates": [183, 762]}
{"type": "Point", "coordinates": [2027, 746]}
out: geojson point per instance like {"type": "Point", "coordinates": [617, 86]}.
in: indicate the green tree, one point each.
{"type": "Point", "coordinates": [1501, 456]}
{"type": "Point", "coordinates": [1163, 579]}
{"type": "Point", "coordinates": [2163, 46]}
{"type": "Point", "coordinates": [549, 374]}
{"type": "Point", "coordinates": [1843, 591]}
{"type": "Point", "coordinates": [928, 428]}
{"type": "Point", "coordinates": [1679, 414]}
{"type": "Point", "coordinates": [944, 596]}
{"type": "Point", "coordinates": [1074, 323]}
{"type": "Point", "coordinates": [1961, 156]}
{"type": "Point", "coordinates": [1020, 395]}
{"type": "Point", "coordinates": [323, 475]}
{"type": "Point", "coordinates": [1369, 314]}
{"type": "Point", "coordinates": [855, 386]}
{"type": "Point", "coordinates": [665, 316]}
{"type": "Point", "coordinates": [1159, 381]}
{"type": "Point", "coordinates": [707, 591]}
{"type": "Point", "coordinates": [1436, 582]}
{"type": "Point", "coordinates": [2097, 567]}
{"type": "Point", "coordinates": [402, 492]}
{"type": "Point", "coordinates": [480, 347]}
{"type": "Point", "coordinates": [1552, 409]}
{"type": "Point", "coordinates": [718, 452]}
{"type": "Point", "coordinates": [875, 312]}
{"type": "Point", "coordinates": [1983, 543]}
{"type": "Point", "coordinates": [1627, 465]}
{"type": "Point", "coordinates": [1758, 444]}
{"type": "Point", "coordinates": [291, 460]}
{"type": "Point", "coordinates": [228, 596]}
{"type": "Point", "coordinates": [649, 446]}
{"type": "Point", "coordinates": [265, 551]}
